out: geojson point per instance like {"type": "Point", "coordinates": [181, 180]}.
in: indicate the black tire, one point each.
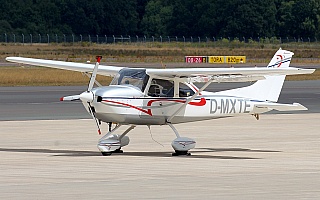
{"type": "Point", "coordinates": [181, 153]}
{"type": "Point", "coordinates": [118, 151]}
{"type": "Point", "coordinates": [106, 153]}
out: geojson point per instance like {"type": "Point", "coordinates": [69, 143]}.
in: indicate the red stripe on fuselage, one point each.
{"type": "Point", "coordinates": [202, 102]}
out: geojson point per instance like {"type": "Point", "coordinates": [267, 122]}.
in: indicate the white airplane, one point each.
{"type": "Point", "coordinates": [139, 96]}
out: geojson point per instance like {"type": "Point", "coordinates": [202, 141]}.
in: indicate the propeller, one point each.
{"type": "Point", "coordinates": [88, 96]}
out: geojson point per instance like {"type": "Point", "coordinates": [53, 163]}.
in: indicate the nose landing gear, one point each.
{"type": "Point", "coordinates": [112, 143]}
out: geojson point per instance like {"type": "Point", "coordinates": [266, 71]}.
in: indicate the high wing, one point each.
{"type": "Point", "coordinates": [226, 74]}
{"type": "Point", "coordinates": [79, 67]}
{"type": "Point", "coordinates": [197, 74]}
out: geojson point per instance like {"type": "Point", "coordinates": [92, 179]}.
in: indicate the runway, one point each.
{"type": "Point", "coordinates": [276, 157]}
{"type": "Point", "coordinates": [35, 103]}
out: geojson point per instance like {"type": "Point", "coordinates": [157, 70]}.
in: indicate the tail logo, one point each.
{"type": "Point", "coordinates": [281, 58]}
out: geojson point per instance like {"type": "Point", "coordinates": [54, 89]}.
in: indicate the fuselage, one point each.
{"type": "Point", "coordinates": [126, 104]}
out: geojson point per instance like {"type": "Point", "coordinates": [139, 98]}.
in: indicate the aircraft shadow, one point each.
{"type": "Point", "coordinates": [235, 149]}
{"type": "Point", "coordinates": [52, 151]}
{"type": "Point", "coordinates": [195, 154]}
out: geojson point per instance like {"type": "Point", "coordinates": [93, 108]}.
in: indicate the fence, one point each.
{"type": "Point", "coordinates": [57, 38]}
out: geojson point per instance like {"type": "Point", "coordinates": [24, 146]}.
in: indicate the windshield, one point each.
{"type": "Point", "coordinates": [135, 77]}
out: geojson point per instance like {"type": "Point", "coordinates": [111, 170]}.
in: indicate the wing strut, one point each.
{"type": "Point", "coordinates": [189, 100]}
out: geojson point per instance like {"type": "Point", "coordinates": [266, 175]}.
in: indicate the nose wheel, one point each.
{"type": "Point", "coordinates": [109, 153]}
{"type": "Point", "coordinates": [112, 143]}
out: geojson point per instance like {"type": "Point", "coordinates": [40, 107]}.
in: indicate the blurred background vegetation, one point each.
{"type": "Point", "coordinates": [198, 18]}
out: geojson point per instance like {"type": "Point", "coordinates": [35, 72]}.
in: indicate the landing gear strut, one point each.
{"type": "Point", "coordinates": [181, 145]}
{"type": "Point", "coordinates": [112, 143]}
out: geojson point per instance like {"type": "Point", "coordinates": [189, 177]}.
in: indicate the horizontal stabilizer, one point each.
{"type": "Point", "coordinates": [70, 98]}
{"type": "Point", "coordinates": [279, 106]}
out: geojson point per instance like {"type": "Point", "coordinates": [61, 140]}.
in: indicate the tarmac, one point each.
{"type": "Point", "coordinates": [277, 157]}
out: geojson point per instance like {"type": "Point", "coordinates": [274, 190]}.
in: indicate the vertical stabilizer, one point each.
{"type": "Point", "coordinates": [268, 89]}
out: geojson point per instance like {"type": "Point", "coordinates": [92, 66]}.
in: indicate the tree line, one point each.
{"type": "Point", "coordinates": [203, 18]}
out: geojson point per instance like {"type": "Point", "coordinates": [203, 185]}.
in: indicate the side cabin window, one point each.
{"type": "Point", "coordinates": [135, 77]}
{"type": "Point", "coordinates": [165, 88]}
{"type": "Point", "coordinates": [161, 88]}
{"type": "Point", "coordinates": [185, 91]}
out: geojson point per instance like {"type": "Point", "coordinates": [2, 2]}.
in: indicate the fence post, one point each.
{"type": "Point", "coordinates": [64, 39]}
{"type": "Point", "coordinates": [80, 38]}
{"type": "Point", "coordinates": [39, 38]}
{"type": "Point", "coordinates": [184, 41]}
{"type": "Point", "coordinates": [14, 38]}
{"type": "Point", "coordinates": [106, 38]}
{"type": "Point", "coordinates": [48, 38]}
{"type": "Point", "coordinates": [22, 39]}
{"type": "Point", "coordinates": [5, 38]}
{"type": "Point", "coordinates": [97, 39]}
{"type": "Point", "coordinates": [72, 39]}
{"type": "Point", "coordinates": [160, 38]}
{"type": "Point", "coordinates": [31, 39]}
{"type": "Point", "coordinates": [57, 38]}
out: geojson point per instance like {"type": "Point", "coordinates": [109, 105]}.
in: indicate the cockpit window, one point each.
{"type": "Point", "coordinates": [135, 77]}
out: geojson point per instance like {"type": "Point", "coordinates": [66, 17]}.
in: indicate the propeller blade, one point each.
{"type": "Point", "coordinates": [94, 118]}
{"type": "Point", "coordinates": [70, 98]}
{"type": "Point", "coordinates": [94, 73]}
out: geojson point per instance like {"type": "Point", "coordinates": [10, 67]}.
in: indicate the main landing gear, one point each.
{"type": "Point", "coordinates": [112, 143]}
{"type": "Point", "coordinates": [181, 145]}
